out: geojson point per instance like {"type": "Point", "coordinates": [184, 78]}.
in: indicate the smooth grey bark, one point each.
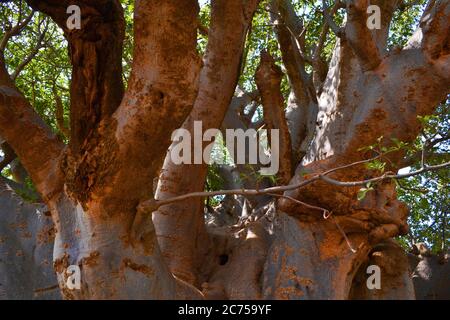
{"type": "Point", "coordinates": [431, 277]}
{"type": "Point", "coordinates": [26, 249]}
{"type": "Point", "coordinates": [309, 261]}
{"type": "Point", "coordinates": [395, 276]}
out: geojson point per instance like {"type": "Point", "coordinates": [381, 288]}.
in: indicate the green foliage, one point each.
{"type": "Point", "coordinates": [214, 182]}
{"type": "Point", "coordinates": [428, 195]}
{"type": "Point", "coordinates": [128, 6]}
{"type": "Point", "coordinates": [404, 22]}
{"type": "Point", "coordinates": [48, 69]}
{"type": "Point", "coordinates": [29, 193]}
{"type": "Point", "coordinates": [363, 192]}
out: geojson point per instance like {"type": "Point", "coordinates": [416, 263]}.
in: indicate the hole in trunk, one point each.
{"type": "Point", "coordinates": [223, 259]}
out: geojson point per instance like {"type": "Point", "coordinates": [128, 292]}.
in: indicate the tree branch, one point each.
{"type": "Point", "coordinates": [39, 44]}
{"type": "Point", "coordinates": [268, 79]}
{"type": "Point", "coordinates": [60, 114]}
{"type": "Point", "coordinates": [359, 35]}
{"type": "Point", "coordinates": [8, 155]}
{"type": "Point", "coordinates": [95, 52]}
{"type": "Point", "coordinates": [328, 16]}
{"type": "Point", "coordinates": [435, 26]}
{"type": "Point", "coordinates": [288, 27]}
{"type": "Point", "coordinates": [230, 22]}
{"type": "Point", "coordinates": [151, 205]}
{"type": "Point", "coordinates": [32, 140]}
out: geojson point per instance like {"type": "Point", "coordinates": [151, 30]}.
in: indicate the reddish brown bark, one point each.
{"type": "Point", "coordinates": [118, 146]}
{"type": "Point", "coordinates": [268, 78]}
{"type": "Point", "coordinates": [95, 51]}
{"type": "Point", "coordinates": [96, 218]}
{"type": "Point", "coordinates": [180, 226]}
{"type": "Point", "coordinates": [31, 139]}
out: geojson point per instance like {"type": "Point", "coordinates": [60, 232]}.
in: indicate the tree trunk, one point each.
{"type": "Point", "coordinates": [99, 187]}
{"type": "Point", "coordinates": [230, 20]}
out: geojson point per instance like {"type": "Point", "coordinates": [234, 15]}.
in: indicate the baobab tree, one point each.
{"type": "Point", "coordinates": [133, 221]}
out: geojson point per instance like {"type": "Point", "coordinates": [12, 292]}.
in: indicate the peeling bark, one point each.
{"type": "Point", "coordinates": [95, 52]}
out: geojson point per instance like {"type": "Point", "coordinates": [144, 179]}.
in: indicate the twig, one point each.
{"type": "Point", "coordinates": [326, 215]}
{"type": "Point", "coordinates": [151, 205]}
{"type": "Point", "coordinates": [343, 234]}
{"type": "Point", "coordinates": [324, 211]}
{"type": "Point", "coordinates": [40, 290]}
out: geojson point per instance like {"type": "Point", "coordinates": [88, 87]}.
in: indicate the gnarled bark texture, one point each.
{"type": "Point", "coordinates": [94, 186]}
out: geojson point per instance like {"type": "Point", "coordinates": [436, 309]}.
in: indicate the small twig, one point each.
{"type": "Point", "coordinates": [343, 234]}
{"type": "Point", "coordinates": [39, 45]}
{"type": "Point", "coordinates": [47, 289]}
{"type": "Point", "coordinates": [326, 215]}
{"type": "Point", "coordinates": [324, 211]}
{"type": "Point", "coordinates": [152, 205]}
{"type": "Point", "coordinates": [386, 176]}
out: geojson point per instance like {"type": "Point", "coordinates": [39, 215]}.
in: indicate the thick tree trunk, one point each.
{"type": "Point", "coordinates": [94, 206]}
{"type": "Point", "coordinates": [26, 249]}
{"type": "Point", "coordinates": [180, 226]}
{"type": "Point", "coordinates": [95, 52]}
{"type": "Point", "coordinates": [93, 188]}
{"type": "Point", "coordinates": [395, 277]}
{"type": "Point", "coordinates": [311, 260]}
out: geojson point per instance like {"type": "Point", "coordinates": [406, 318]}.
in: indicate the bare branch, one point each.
{"type": "Point", "coordinates": [320, 67]}
{"type": "Point", "coordinates": [324, 211]}
{"type": "Point", "coordinates": [338, 31]}
{"type": "Point", "coordinates": [32, 140]}
{"type": "Point", "coordinates": [435, 26]}
{"type": "Point", "coordinates": [387, 176]}
{"type": "Point", "coordinates": [268, 78]}
{"type": "Point", "coordinates": [359, 35]}
{"type": "Point", "coordinates": [151, 205]}
{"type": "Point", "coordinates": [289, 28]}
{"type": "Point", "coordinates": [325, 29]}
{"type": "Point", "coordinates": [9, 155]}
{"type": "Point", "coordinates": [60, 114]}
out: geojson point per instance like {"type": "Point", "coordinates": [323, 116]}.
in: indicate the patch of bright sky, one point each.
{"type": "Point", "coordinates": [202, 2]}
